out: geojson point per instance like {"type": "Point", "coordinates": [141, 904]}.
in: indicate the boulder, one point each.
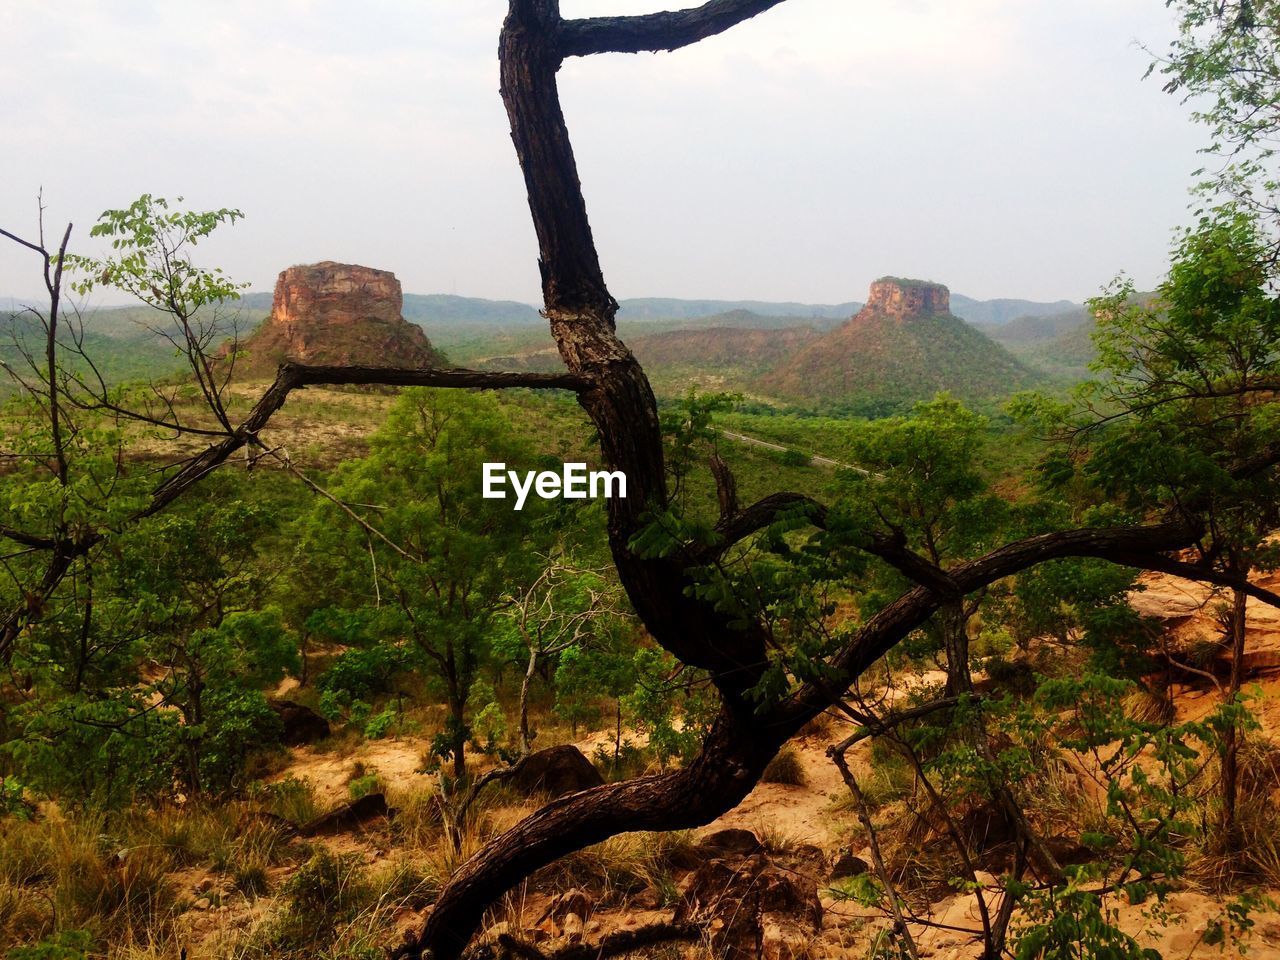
{"type": "Point", "coordinates": [300, 725]}
{"type": "Point", "coordinates": [349, 816]}
{"type": "Point", "coordinates": [749, 906]}
{"type": "Point", "coordinates": [573, 902]}
{"type": "Point", "coordinates": [729, 843]}
{"type": "Point", "coordinates": [556, 771]}
{"type": "Point", "coordinates": [987, 826]}
{"type": "Point", "coordinates": [848, 866]}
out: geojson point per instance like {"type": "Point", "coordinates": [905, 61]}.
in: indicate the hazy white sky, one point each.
{"type": "Point", "coordinates": [1004, 147]}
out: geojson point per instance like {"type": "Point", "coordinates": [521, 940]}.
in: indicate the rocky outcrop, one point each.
{"type": "Point", "coordinates": [902, 299]}
{"type": "Point", "coordinates": [751, 908]}
{"type": "Point", "coordinates": [349, 816]}
{"type": "Point", "coordinates": [340, 314]}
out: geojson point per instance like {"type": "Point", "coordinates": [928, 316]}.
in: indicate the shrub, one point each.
{"type": "Point", "coordinates": [785, 768]}
{"type": "Point", "coordinates": [360, 674]}
{"type": "Point", "coordinates": [63, 945]}
{"type": "Point", "coordinates": [362, 786]}
{"type": "Point", "coordinates": [326, 890]}
{"type": "Point", "coordinates": [290, 799]}
{"type": "Point", "coordinates": [379, 724]}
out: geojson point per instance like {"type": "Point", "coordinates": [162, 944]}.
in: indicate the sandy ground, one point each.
{"type": "Point", "coordinates": [807, 814]}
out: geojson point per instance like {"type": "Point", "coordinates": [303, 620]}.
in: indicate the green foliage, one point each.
{"type": "Point", "coordinates": [361, 674]}
{"type": "Point", "coordinates": [12, 803]}
{"type": "Point", "coordinates": [152, 260]}
{"type": "Point", "coordinates": [63, 945]}
{"type": "Point", "coordinates": [1224, 61]}
{"type": "Point", "coordinates": [326, 891]}
{"type": "Point", "coordinates": [428, 586]}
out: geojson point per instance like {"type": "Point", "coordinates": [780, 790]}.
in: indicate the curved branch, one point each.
{"type": "Point", "coordinates": [743, 523]}
{"type": "Point", "coordinates": [295, 375]}
{"type": "Point", "coordinates": [731, 762]}
{"type": "Point", "coordinates": [892, 550]}
{"type": "Point", "coordinates": [1122, 545]}
{"type": "Point", "coordinates": [655, 32]}
{"type": "Point", "coordinates": [736, 751]}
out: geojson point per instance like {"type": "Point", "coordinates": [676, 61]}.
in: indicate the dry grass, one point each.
{"type": "Point", "coordinates": [72, 874]}
{"type": "Point", "coordinates": [621, 866]}
{"type": "Point", "coordinates": [786, 768]}
{"type": "Point", "coordinates": [1150, 706]}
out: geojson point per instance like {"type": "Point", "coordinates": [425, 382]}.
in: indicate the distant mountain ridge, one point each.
{"type": "Point", "coordinates": [1001, 311]}
{"type": "Point", "coordinates": [438, 309]}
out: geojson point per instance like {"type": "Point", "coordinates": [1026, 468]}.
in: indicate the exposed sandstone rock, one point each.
{"type": "Point", "coordinates": [728, 843]}
{"type": "Point", "coordinates": [573, 902]}
{"type": "Point", "coordinates": [898, 298]}
{"type": "Point", "coordinates": [848, 866]}
{"type": "Point", "coordinates": [340, 314]}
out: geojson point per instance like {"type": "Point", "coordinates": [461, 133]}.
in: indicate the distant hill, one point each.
{"type": "Point", "coordinates": [737, 319]}
{"type": "Point", "coordinates": [741, 350]}
{"type": "Point", "coordinates": [1035, 329]}
{"type": "Point", "coordinates": [905, 345]}
{"type": "Point", "coordinates": [665, 308]}
{"type": "Point", "coordinates": [475, 328]}
{"type": "Point", "coordinates": [1000, 312]}
{"type": "Point", "coordinates": [437, 310]}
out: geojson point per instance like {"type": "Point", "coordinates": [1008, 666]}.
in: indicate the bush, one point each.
{"type": "Point", "coordinates": [63, 945]}
{"type": "Point", "coordinates": [378, 725]}
{"type": "Point", "coordinates": [360, 674]}
{"type": "Point", "coordinates": [785, 768]}
{"type": "Point", "coordinates": [365, 784]}
{"type": "Point", "coordinates": [291, 799]}
{"type": "Point", "coordinates": [326, 890]}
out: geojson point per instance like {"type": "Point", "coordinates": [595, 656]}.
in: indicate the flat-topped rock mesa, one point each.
{"type": "Point", "coordinates": [338, 314]}
{"type": "Point", "coordinates": [904, 345]}
{"type": "Point", "coordinates": [900, 298]}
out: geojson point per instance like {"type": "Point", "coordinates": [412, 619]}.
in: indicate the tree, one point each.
{"type": "Point", "coordinates": [1226, 61]}
{"type": "Point", "coordinates": [565, 608]}
{"type": "Point", "coordinates": [431, 560]}
{"type": "Point", "coordinates": [694, 624]}
{"type": "Point", "coordinates": [1188, 393]}
{"type": "Point", "coordinates": [200, 584]}
{"type": "Point", "coordinates": [920, 490]}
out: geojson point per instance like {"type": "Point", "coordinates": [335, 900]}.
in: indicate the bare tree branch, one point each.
{"type": "Point", "coordinates": [655, 32]}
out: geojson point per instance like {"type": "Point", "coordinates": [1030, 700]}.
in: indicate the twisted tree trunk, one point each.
{"type": "Point", "coordinates": [614, 392]}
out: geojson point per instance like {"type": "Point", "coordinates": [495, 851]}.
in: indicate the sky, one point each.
{"type": "Point", "coordinates": [1007, 148]}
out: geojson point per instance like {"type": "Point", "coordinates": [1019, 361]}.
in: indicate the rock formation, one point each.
{"type": "Point", "coordinates": [339, 314]}
{"type": "Point", "coordinates": [904, 345]}
{"type": "Point", "coordinates": [902, 299]}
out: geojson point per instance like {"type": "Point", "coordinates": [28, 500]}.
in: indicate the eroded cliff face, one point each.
{"type": "Point", "coordinates": [339, 314]}
{"type": "Point", "coordinates": [908, 298]}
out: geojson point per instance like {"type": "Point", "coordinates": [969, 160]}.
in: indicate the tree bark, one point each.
{"type": "Point", "coordinates": [525, 739]}
{"type": "Point", "coordinates": [954, 626]}
{"type": "Point", "coordinates": [1236, 622]}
